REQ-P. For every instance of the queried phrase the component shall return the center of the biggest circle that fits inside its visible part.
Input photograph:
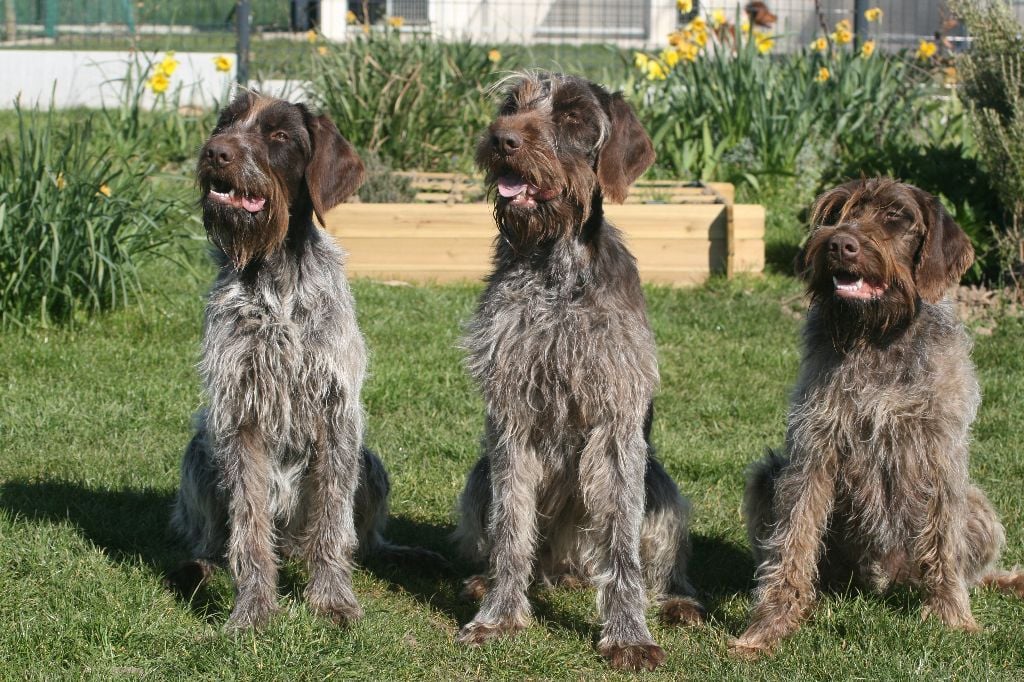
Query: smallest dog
(874, 486)
(277, 461)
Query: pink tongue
(511, 186)
(253, 204)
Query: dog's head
(877, 248)
(557, 143)
(269, 163)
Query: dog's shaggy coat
(873, 487)
(277, 461)
(563, 352)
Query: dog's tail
(1010, 582)
(380, 549)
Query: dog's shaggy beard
(851, 323)
(526, 229)
(245, 236)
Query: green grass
(93, 422)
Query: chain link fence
(280, 30)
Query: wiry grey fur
(277, 461)
(873, 486)
(564, 354)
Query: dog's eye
(894, 214)
(569, 117)
(279, 136)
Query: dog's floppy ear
(627, 152)
(334, 170)
(946, 251)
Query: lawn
(94, 419)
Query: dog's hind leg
(199, 515)
(470, 534)
(758, 497)
(665, 548)
(371, 517)
(985, 538)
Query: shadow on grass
(132, 525)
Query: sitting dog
(873, 488)
(277, 459)
(562, 349)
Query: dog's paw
(251, 614)
(682, 611)
(749, 649)
(474, 588)
(951, 617)
(338, 606)
(632, 657)
(477, 632)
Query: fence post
(50, 19)
(243, 14)
(860, 22)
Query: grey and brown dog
(564, 354)
(873, 488)
(277, 461)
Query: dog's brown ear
(945, 253)
(627, 152)
(334, 170)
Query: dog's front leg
(331, 536)
(804, 497)
(512, 530)
(251, 555)
(941, 549)
(612, 477)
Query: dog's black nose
(219, 153)
(843, 246)
(506, 141)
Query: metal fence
(280, 27)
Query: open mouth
(522, 193)
(855, 287)
(222, 193)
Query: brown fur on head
(267, 165)
(759, 14)
(877, 248)
(558, 144)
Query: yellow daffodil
(745, 26)
(867, 49)
(701, 38)
(168, 64)
(926, 49)
(640, 60)
(842, 36)
(322, 50)
(718, 18)
(764, 42)
(222, 62)
(698, 24)
(949, 75)
(685, 6)
(60, 182)
(823, 75)
(494, 56)
(655, 71)
(158, 82)
(688, 51)
(676, 38)
(670, 57)
(311, 36)
(844, 25)
(396, 22)
(351, 17)
(104, 190)
(820, 45)
(874, 14)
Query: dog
(277, 459)
(562, 349)
(873, 488)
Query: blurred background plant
(992, 77)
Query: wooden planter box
(692, 232)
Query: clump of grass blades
(75, 223)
